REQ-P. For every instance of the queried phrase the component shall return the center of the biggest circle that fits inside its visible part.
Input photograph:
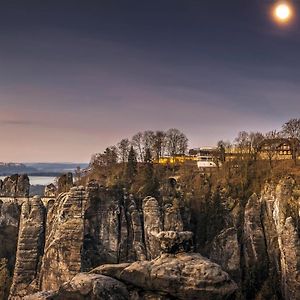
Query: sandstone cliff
(255, 241)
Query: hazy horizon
(77, 78)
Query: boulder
(183, 276)
(86, 286)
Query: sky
(78, 76)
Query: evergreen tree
(151, 185)
(131, 167)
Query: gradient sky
(77, 76)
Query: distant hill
(39, 169)
(56, 167)
(12, 168)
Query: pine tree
(131, 167)
(151, 185)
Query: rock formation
(86, 286)
(64, 183)
(64, 239)
(135, 221)
(30, 249)
(254, 246)
(282, 235)
(255, 241)
(175, 273)
(9, 222)
(50, 190)
(152, 226)
(15, 186)
(226, 252)
(175, 241)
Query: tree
(123, 148)
(271, 147)
(159, 144)
(106, 159)
(177, 142)
(151, 184)
(137, 142)
(291, 130)
(111, 155)
(148, 140)
(222, 151)
(243, 144)
(255, 139)
(131, 166)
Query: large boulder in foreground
(86, 286)
(182, 275)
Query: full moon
(283, 12)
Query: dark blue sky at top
(81, 75)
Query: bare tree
(123, 148)
(159, 144)
(177, 142)
(255, 139)
(271, 147)
(243, 144)
(137, 143)
(291, 130)
(148, 140)
(183, 144)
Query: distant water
(38, 180)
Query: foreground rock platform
(182, 275)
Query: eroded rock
(15, 186)
(64, 239)
(30, 249)
(175, 241)
(183, 276)
(152, 226)
(50, 190)
(226, 252)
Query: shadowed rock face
(175, 241)
(113, 229)
(30, 249)
(15, 186)
(254, 246)
(282, 235)
(9, 222)
(226, 252)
